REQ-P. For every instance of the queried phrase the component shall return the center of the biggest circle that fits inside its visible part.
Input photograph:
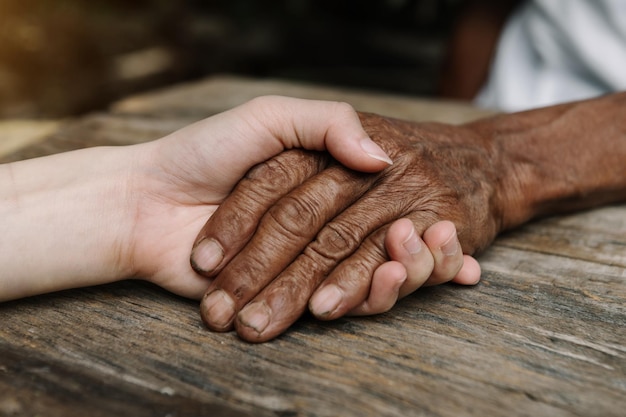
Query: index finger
(237, 218)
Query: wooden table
(542, 335)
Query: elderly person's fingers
(364, 283)
(283, 300)
(231, 227)
(282, 235)
(344, 255)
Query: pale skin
(318, 245)
(101, 215)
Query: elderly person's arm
(320, 244)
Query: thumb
(314, 125)
(232, 142)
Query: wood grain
(542, 335)
(15, 134)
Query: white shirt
(553, 51)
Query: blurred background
(62, 58)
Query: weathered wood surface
(543, 334)
(16, 134)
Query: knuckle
(362, 268)
(335, 245)
(358, 277)
(335, 241)
(304, 211)
(295, 216)
(289, 168)
(274, 168)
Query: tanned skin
(486, 176)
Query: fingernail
(451, 247)
(375, 151)
(218, 310)
(326, 300)
(207, 255)
(256, 316)
(412, 244)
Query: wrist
(63, 224)
(558, 159)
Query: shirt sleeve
(554, 51)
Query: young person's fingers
(446, 251)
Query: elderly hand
(325, 240)
(331, 229)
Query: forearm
(561, 158)
(59, 228)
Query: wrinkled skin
(486, 176)
(339, 217)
